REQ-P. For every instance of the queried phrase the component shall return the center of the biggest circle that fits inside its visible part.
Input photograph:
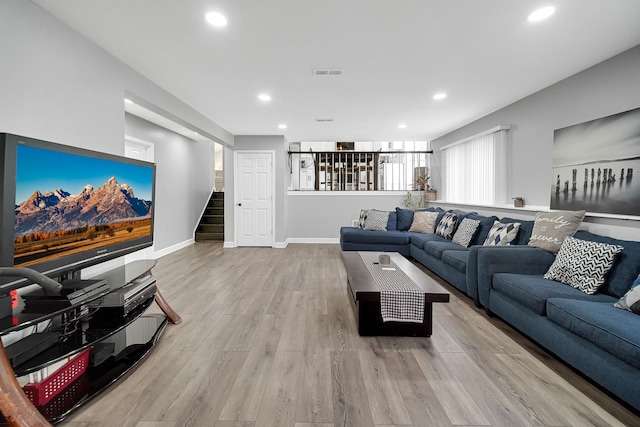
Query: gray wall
(276, 143)
(58, 86)
(320, 216)
(184, 180)
(610, 87)
(607, 88)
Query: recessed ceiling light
(216, 19)
(439, 96)
(541, 14)
(282, 126)
(402, 125)
(264, 97)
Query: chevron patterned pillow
(583, 264)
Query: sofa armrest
(490, 260)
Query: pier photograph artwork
(596, 165)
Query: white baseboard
(282, 245)
(276, 245)
(170, 249)
(318, 240)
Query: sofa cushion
(502, 234)
(631, 300)
(376, 220)
(624, 270)
(363, 216)
(456, 259)
(524, 234)
(437, 248)
(466, 232)
(357, 235)
(424, 222)
(551, 228)
(533, 291)
(419, 239)
(616, 331)
(583, 264)
(405, 218)
(447, 225)
(486, 222)
(393, 221)
(461, 215)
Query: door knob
(239, 204)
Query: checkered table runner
(401, 300)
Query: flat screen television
(66, 208)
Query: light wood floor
(269, 339)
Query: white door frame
(236, 196)
(149, 156)
(148, 147)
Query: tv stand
(117, 343)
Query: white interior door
(254, 198)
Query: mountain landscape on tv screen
(57, 210)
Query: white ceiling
(394, 54)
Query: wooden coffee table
(364, 295)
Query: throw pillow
(424, 222)
(447, 225)
(631, 300)
(583, 264)
(551, 228)
(393, 221)
(376, 220)
(363, 216)
(405, 218)
(502, 234)
(466, 231)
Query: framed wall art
(596, 165)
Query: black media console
(105, 315)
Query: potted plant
(422, 183)
(425, 193)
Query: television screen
(71, 208)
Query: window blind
(475, 169)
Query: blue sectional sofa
(585, 331)
(445, 258)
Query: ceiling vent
(324, 120)
(326, 72)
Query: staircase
(211, 225)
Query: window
(358, 166)
(475, 169)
